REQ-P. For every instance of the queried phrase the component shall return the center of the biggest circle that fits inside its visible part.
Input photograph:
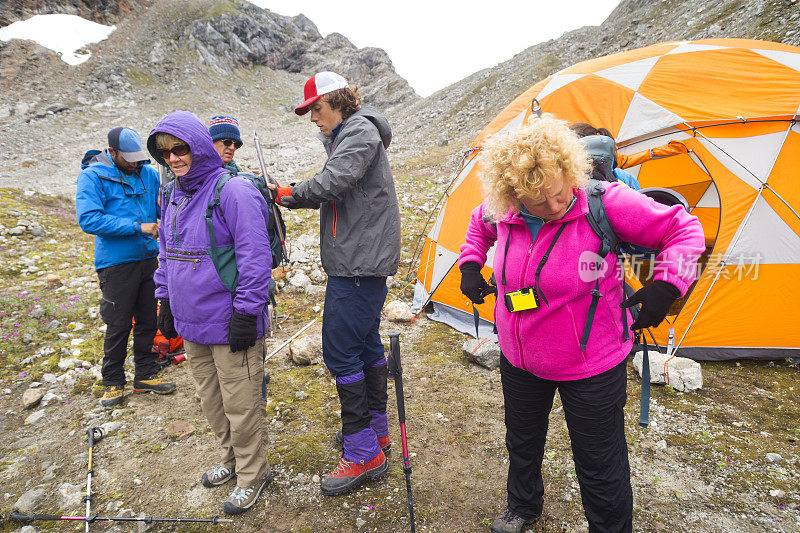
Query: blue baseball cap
(128, 143)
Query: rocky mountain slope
(460, 111)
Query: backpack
(601, 150)
(610, 243)
(223, 257)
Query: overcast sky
(435, 43)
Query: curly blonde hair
(524, 163)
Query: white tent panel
(789, 59)
(692, 47)
(710, 198)
(765, 239)
(556, 82)
(630, 75)
(441, 266)
(749, 158)
(437, 226)
(645, 116)
(464, 173)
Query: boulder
(28, 501)
(69, 496)
(34, 418)
(397, 311)
(306, 350)
(31, 397)
(300, 280)
(680, 373)
(484, 352)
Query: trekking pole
(273, 194)
(396, 370)
(95, 435)
(28, 518)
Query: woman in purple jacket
(222, 325)
(536, 213)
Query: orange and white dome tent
(715, 120)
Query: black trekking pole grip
(20, 518)
(95, 435)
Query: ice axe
(396, 370)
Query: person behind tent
(223, 328)
(360, 247)
(535, 211)
(116, 202)
(603, 153)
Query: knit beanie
(222, 127)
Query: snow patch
(64, 34)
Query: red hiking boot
(348, 475)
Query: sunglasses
(228, 142)
(179, 150)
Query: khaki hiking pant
(233, 405)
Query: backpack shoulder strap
(598, 219)
(167, 192)
(215, 202)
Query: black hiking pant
(128, 293)
(593, 408)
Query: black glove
(656, 299)
(242, 332)
(473, 285)
(289, 202)
(166, 323)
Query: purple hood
(206, 162)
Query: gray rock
(28, 501)
(300, 280)
(69, 496)
(397, 311)
(300, 395)
(31, 397)
(49, 378)
(38, 311)
(34, 418)
(110, 428)
(57, 107)
(483, 351)
(680, 373)
(49, 398)
(27, 529)
(774, 458)
(54, 324)
(306, 350)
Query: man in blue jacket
(116, 202)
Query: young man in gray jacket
(360, 247)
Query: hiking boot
(218, 475)
(112, 396)
(348, 475)
(154, 384)
(510, 522)
(242, 499)
(384, 442)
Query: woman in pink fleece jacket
(536, 214)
